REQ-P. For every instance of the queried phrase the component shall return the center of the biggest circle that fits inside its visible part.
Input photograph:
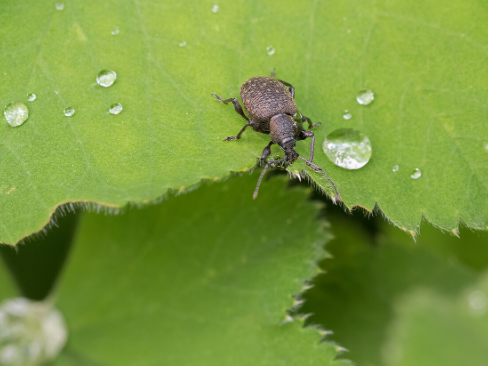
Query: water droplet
(183, 44)
(115, 108)
(16, 113)
(416, 174)
(68, 112)
(486, 147)
(31, 97)
(215, 9)
(31, 333)
(115, 31)
(347, 115)
(477, 301)
(365, 97)
(59, 6)
(270, 50)
(348, 148)
(395, 168)
(106, 78)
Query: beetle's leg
(273, 73)
(250, 123)
(319, 169)
(291, 88)
(264, 156)
(310, 124)
(305, 134)
(234, 101)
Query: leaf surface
(203, 279)
(425, 63)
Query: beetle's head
(290, 154)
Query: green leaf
(368, 277)
(423, 61)
(432, 329)
(203, 279)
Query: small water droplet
(365, 97)
(16, 113)
(31, 333)
(270, 50)
(183, 44)
(347, 115)
(215, 9)
(115, 108)
(486, 147)
(115, 31)
(416, 174)
(31, 97)
(106, 78)
(477, 301)
(59, 6)
(395, 168)
(348, 148)
(55, 92)
(68, 112)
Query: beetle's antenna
(259, 182)
(319, 169)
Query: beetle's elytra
(270, 104)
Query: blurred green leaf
(424, 61)
(432, 329)
(203, 279)
(368, 277)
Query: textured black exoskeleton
(270, 104)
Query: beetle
(270, 104)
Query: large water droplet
(270, 50)
(31, 97)
(348, 148)
(395, 168)
(183, 44)
(16, 113)
(416, 174)
(59, 6)
(68, 112)
(215, 9)
(115, 31)
(347, 115)
(365, 97)
(115, 108)
(31, 333)
(106, 78)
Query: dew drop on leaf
(215, 9)
(270, 50)
(395, 168)
(115, 108)
(365, 97)
(183, 44)
(115, 31)
(31, 333)
(16, 113)
(348, 148)
(347, 115)
(106, 78)
(31, 97)
(68, 112)
(59, 6)
(416, 174)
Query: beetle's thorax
(283, 131)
